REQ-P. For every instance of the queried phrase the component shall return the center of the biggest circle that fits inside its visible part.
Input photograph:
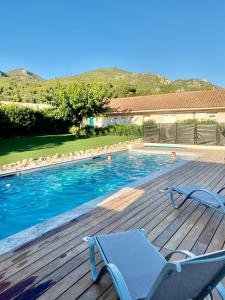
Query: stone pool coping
(14, 241)
(30, 164)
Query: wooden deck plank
(207, 234)
(218, 239)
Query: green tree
(78, 101)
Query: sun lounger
(195, 192)
(139, 271)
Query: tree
(78, 101)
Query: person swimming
(101, 162)
(109, 157)
(107, 160)
(173, 156)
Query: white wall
(169, 118)
(159, 118)
(106, 121)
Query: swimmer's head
(109, 157)
(173, 155)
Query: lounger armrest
(184, 252)
(94, 272)
(119, 282)
(114, 272)
(220, 288)
(209, 193)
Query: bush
(101, 130)
(199, 121)
(120, 129)
(149, 122)
(87, 130)
(73, 129)
(47, 123)
(16, 120)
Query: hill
(3, 74)
(25, 86)
(22, 73)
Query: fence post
(195, 134)
(176, 134)
(217, 135)
(159, 132)
(143, 132)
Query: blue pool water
(34, 197)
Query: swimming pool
(34, 197)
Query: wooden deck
(56, 265)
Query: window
(212, 116)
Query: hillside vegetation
(24, 86)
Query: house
(166, 108)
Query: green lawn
(15, 149)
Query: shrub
(48, 123)
(199, 121)
(118, 129)
(149, 122)
(73, 129)
(101, 130)
(16, 120)
(121, 129)
(87, 130)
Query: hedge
(118, 129)
(16, 120)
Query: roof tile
(172, 101)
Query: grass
(15, 149)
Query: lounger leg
(96, 276)
(172, 199)
(221, 290)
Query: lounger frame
(192, 196)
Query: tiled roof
(173, 101)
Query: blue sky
(175, 38)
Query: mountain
(25, 86)
(22, 73)
(3, 74)
(142, 83)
